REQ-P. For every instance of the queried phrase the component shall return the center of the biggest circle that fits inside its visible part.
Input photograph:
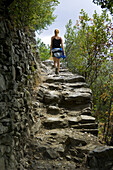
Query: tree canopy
(36, 14)
(108, 4)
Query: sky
(66, 10)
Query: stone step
(92, 131)
(62, 121)
(48, 62)
(63, 79)
(64, 70)
(66, 74)
(72, 99)
(56, 164)
(54, 110)
(75, 85)
(65, 98)
(52, 86)
(55, 122)
(83, 119)
(85, 126)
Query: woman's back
(56, 42)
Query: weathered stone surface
(86, 126)
(68, 129)
(53, 110)
(62, 79)
(51, 79)
(71, 99)
(19, 73)
(51, 97)
(2, 164)
(3, 129)
(48, 62)
(2, 83)
(55, 122)
(52, 153)
(101, 158)
(76, 85)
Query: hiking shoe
(56, 71)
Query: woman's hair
(56, 31)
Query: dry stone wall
(19, 72)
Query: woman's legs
(56, 60)
(58, 64)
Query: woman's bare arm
(51, 45)
(62, 45)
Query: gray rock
(51, 97)
(1, 49)
(13, 72)
(51, 79)
(72, 99)
(48, 62)
(35, 128)
(101, 158)
(3, 129)
(74, 79)
(3, 110)
(52, 153)
(2, 83)
(53, 110)
(55, 122)
(2, 30)
(2, 150)
(2, 164)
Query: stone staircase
(68, 102)
(64, 132)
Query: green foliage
(88, 46)
(88, 43)
(108, 4)
(44, 50)
(36, 14)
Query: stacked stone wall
(19, 73)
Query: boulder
(101, 158)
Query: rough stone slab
(51, 79)
(48, 62)
(3, 129)
(73, 141)
(55, 122)
(72, 120)
(53, 86)
(72, 99)
(53, 110)
(63, 70)
(73, 113)
(65, 74)
(74, 79)
(101, 158)
(85, 126)
(51, 97)
(92, 131)
(76, 85)
(62, 79)
(80, 119)
(35, 128)
(88, 119)
(83, 90)
(2, 164)
(2, 83)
